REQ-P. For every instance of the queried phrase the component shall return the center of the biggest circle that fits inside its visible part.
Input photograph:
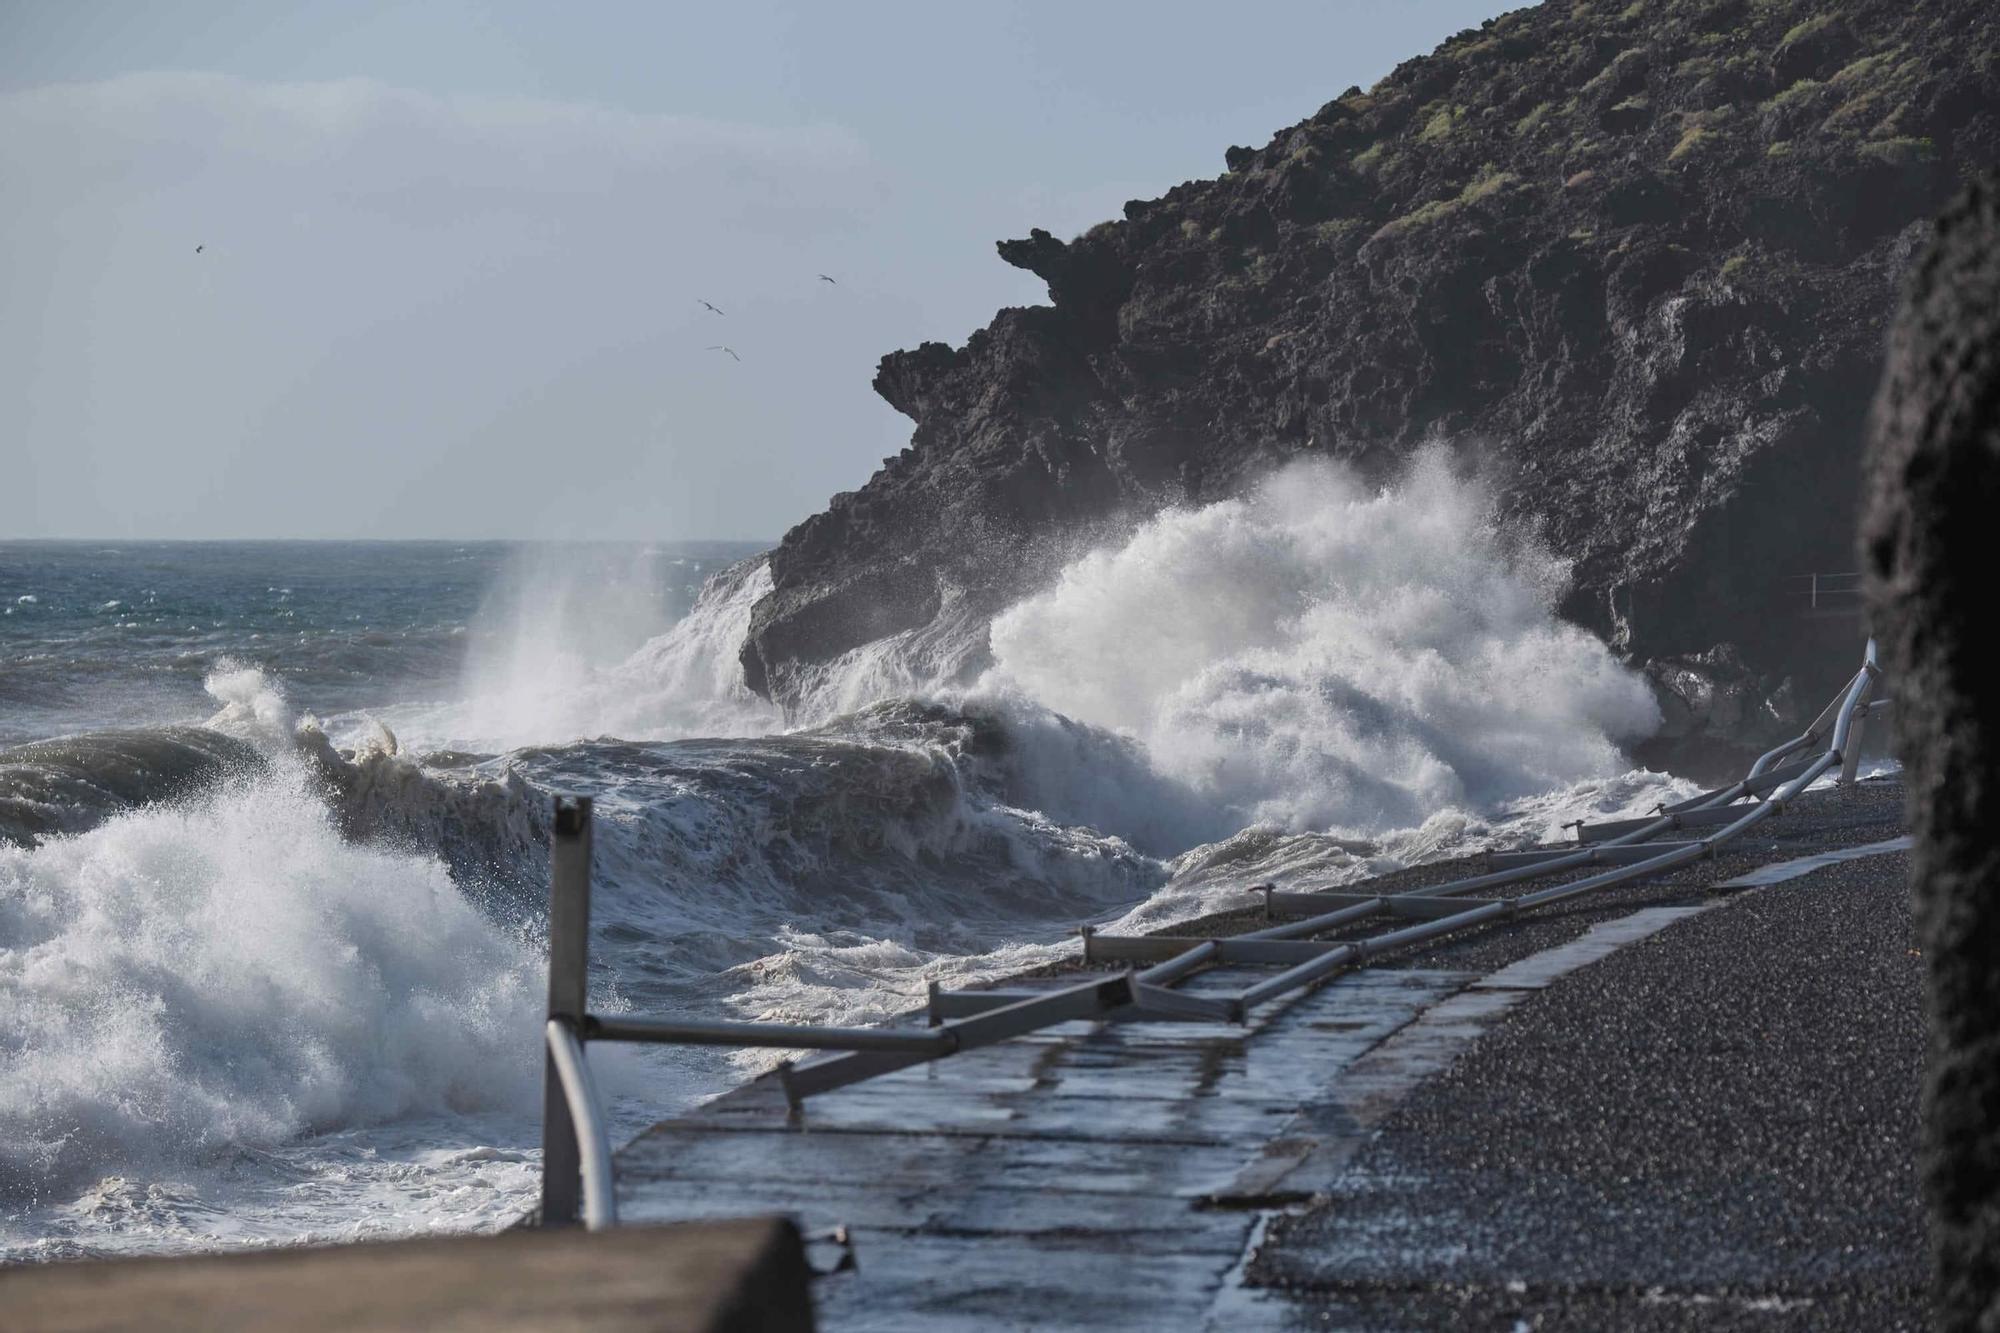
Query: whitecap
(1323, 655)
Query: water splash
(229, 971)
(566, 655)
(1320, 655)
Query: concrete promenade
(1688, 1103)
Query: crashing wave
(1321, 655)
(73, 783)
(894, 828)
(229, 970)
(1311, 683)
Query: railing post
(1850, 758)
(1857, 728)
(569, 961)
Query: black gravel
(1716, 1127)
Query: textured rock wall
(1931, 549)
(1638, 259)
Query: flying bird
(718, 347)
(198, 249)
(716, 309)
(824, 278)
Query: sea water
(273, 818)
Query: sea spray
(689, 681)
(229, 971)
(254, 707)
(1322, 655)
(556, 616)
(914, 663)
(560, 657)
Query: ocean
(272, 819)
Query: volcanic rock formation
(1931, 547)
(1637, 259)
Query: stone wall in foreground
(1931, 550)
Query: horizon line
(442, 541)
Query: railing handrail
(600, 1200)
(577, 1180)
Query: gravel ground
(1716, 1127)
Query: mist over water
(553, 620)
(572, 643)
(291, 989)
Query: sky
(452, 256)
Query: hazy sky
(453, 252)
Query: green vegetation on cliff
(1638, 258)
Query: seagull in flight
(718, 347)
(716, 309)
(824, 278)
(198, 249)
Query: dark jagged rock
(1931, 547)
(1637, 258)
(1709, 702)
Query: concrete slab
(721, 1277)
(1543, 969)
(1056, 1183)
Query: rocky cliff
(1638, 258)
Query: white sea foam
(1213, 876)
(254, 707)
(1320, 655)
(230, 972)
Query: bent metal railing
(576, 1149)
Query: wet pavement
(1668, 1106)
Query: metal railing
(1826, 594)
(577, 1173)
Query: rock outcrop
(1931, 549)
(1637, 259)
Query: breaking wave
(230, 970)
(274, 925)
(73, 783)
(1320, 655)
